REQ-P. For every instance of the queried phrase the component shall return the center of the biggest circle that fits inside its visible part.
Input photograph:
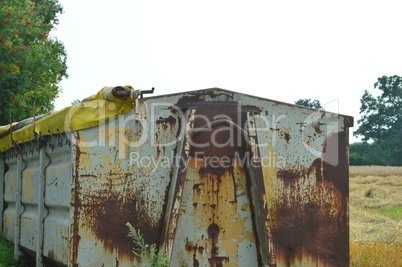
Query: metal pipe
(143, 92)
(121, 91)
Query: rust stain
(288, 174)
(220, 140)
(197, 186)
(171, 121)
(215, 196)
(106, 212)
(88, 175)
(195, 261)
(213, 234)
(286, 135)
(215, 260)
(190, 247)
(191, 100)
(76, 204)
(105, 209)
(311, 216)
(317, 128)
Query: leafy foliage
(363, 153)
(382, 117)
(31, 63)
(307, 102)
(148, 253)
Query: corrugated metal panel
(57, 198)
(213, 177)
(38, 219)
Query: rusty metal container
(212, 177)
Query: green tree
(31, 63)
(307, 102)
(381, 119)
(363, 153)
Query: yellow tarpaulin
(92, 111)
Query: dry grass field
(375, 216)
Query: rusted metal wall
(212, 177)
(118, 183)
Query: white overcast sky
(281, 50)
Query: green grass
(7, 253)
(393, 212)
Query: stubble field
(375, 216)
